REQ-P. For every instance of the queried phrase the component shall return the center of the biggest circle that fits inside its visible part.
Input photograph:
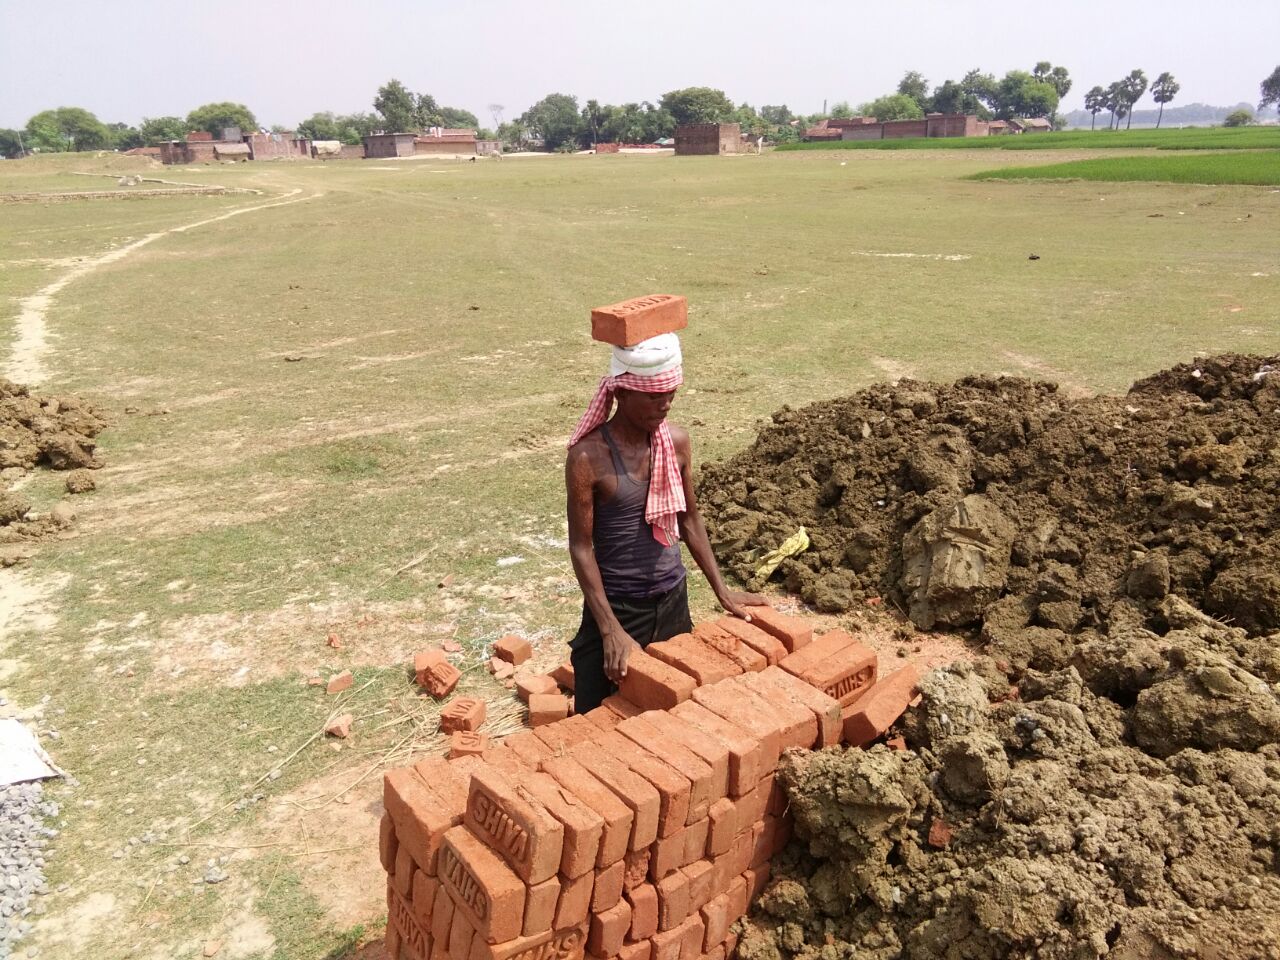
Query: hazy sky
(133, 58)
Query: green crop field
(1193, 138)
(1259, 168)
(339, 407)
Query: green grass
(1260, 168)
(1195, 138)
(273, 502)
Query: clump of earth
(1104, 779)
(996, 503)
(57, 433)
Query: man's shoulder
(679, 434)
(588, 450)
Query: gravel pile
(23, 844)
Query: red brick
(482, 886)
(563, 675)
(765, 644)
(440, 680)
(695, 841)
(722, 825)
(715, 953)
(825, 646)
(653, 685)
(896, 743)
(691, 940)
(778, 800)
(540, 906)
(463, 713)
(609, 929)
(413, 941)
(644, 911)
(635, 951)
(757, 879)
(582, 825)
(464, 743)
(574, 905)
(739, 898)
(392, 943)
(716, 917)
(880, 708)
(740, 707)
(826, 709)
(514, 825)
(800, 726)
(672, 787)
(608, 887)
(424, 897)
(761, 842)
(667, 855)
(629, 322)
(387, 843)
(564, 944)
(339, 682)
(752, 807)
(729, 644)
(678, 757)
(547, 708)
(419, 814)
(631, 788)
(528, 747)
(703, 745)
(507, 760)
(730, 945)
(566, 733)
(740, 853)
(621, 706)
(701, 879)
(604, 718)
(513, 649)
(616, 816)
(844, 674)
(673, 900)
(402, 875)
(746, 755)
(450, 779)
(667, 944)
(637, 868)
(691, 656)
(792, 631)
(460, 935)
(441, 919)
(538, 683)
(424, 660)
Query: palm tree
(1135, 85)
(1164, 90)
(1115, 103)
(1095, 101)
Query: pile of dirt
(57, 433)
(1128, 808)
(997, 503)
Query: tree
(593, 117)
(841, 108)
(397, 106)
(637, 123)
(895, 106)
(11, 144)
(1056, 77)
(157, 130)
(981, 87)
(696, 105)
(553, 119)
(914, 85)
(66, 128)
(426, 112)
(1095, 101)
(123, 136)
(777, 115)
(1270, 89)
(458, 118)
(951, 97)
(1019, 94)
(1164, 90)
(213, 117)
(1135, 85)
(513, 134)
(1238, 118)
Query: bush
(1238, 118)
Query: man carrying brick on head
(630, 488)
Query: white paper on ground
(21, 758)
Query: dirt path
(30, 348)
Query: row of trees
(1018, 93)
(1119, 98)
(66, 129)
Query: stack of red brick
(641, 830)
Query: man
(630, 502)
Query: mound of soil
(43, 431)
(996, 503)
(1049, 820)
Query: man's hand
(735, 603)
(617, 651)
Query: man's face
(645, 410)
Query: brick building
(446, 141)
(868, 128)
(708, 139)
(273, 146)
(384, 145)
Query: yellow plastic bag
(794, 545)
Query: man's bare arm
(580, 482)
(694, 533)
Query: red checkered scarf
(666, 488)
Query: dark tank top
(632, 563)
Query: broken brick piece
(464, 713)
(439, 679)
(514, 824)
(547, 708)
(465, 743)
(878, 709)
(539, 683)
(424, 660)
(513, 649)
(339, 682)
(627, 323)
(792, 631)
(653, 685)
(563, 675)
(501, 669)
(340, 727)
(940, 833)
